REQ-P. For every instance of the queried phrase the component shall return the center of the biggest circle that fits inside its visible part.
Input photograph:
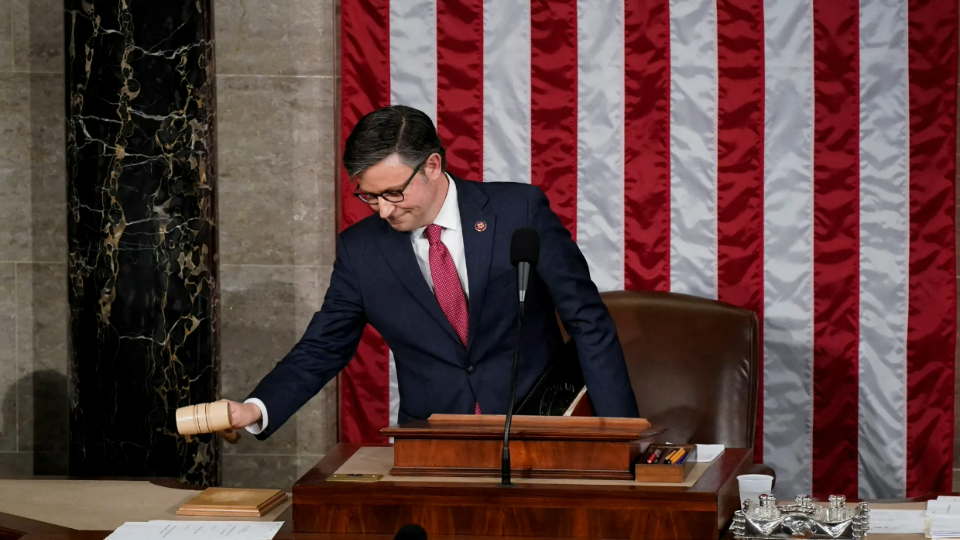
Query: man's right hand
(243, 414)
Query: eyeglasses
(392, 195)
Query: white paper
(948, 498)
(196, 530)
(941, 525)
(708, 452)
(943, 507)
(897, 521)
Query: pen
(667, 459)
(682, 459)
(678, 455)
(653, 457)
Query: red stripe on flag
(365, 86)
(646, 131)
(460, 85)
(932, 324)
(836, 240)
(553, 105)
(365, 391)
(740, 118)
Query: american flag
(794, 157)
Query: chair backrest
(693, 364)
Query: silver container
(766, 520)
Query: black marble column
(142, 230)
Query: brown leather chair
(693, 365)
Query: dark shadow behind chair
(693, 365)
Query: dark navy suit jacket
(376, 280)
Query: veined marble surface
(141, 161)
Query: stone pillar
(142, 235)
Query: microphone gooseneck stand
(524, 255)
(505, 460)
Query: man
(432, 273)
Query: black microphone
(411, 532)
(524, 254)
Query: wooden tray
(661, 472)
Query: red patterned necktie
(447, 286)
(446, 283)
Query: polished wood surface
(490, 426)
(233, 502)
(540, 446)
(555, 510)
(100, 535)
(17, 528)
(528, 459)
(35, 530)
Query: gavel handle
(229, 435)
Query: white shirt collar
(449, 215)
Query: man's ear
(433, 167)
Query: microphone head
(411, 532)
(525, 246)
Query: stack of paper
(943, 517)
(945, 526)
(940, 520)
(884, 521)
(944, 505)
(196, 530)
(708, 452)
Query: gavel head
(204, 418)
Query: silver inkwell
(765, 520)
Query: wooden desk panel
(15, 527)
(547, 510)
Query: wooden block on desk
(233, 502)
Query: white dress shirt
(452, 238)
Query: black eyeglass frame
(388, 194)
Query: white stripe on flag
(506, 91)
(884, 248)
(394, 392)
(693, 147)
(600, 117)
(413, 82)
(413, 55)
(788, 244)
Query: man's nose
(386, 208)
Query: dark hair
(396, 129)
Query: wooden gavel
(207, 418)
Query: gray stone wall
(33, 294)
(277, 143)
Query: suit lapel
(398, 251)
(479, 226)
